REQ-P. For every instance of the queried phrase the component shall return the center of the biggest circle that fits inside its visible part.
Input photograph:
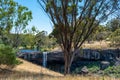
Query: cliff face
(85, 54)
(88, 54)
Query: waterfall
(44, 59)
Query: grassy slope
(30, 67)
(30, 71)
(27, 70)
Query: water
(44, 59)
(27, 51)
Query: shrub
(77, 70)
(7, 55)
(113, 70)
(115, 38)
(94, 69)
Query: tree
(75, 20)
(28, 40)
(44, 42)
(13, 16)
(23, 16)
(114, 24)
(41, 39)
(33, 29)
(102, 33)
(7, 9)
(115, 37)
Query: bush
(113, 71)
(94, 69)
(115, 38)
(7, 55)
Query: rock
(100, 72)
(96, 55)
(84, 70)
(104, 65)
(117, 62)
(55, 57)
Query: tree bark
(67, 66)
(67, 58)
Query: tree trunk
(16, 41)
(67, 58)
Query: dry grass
(30, 71)
(27, 70)
(97, 45)
(33, 68)
(94, 45)
(46, 77)
(81, 78)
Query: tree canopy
(114, 24)
(13, 17)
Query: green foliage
(44, 42)
(7, 11)
(23, 15)
(27, 40)
(7, 55)
(33, 38)
(13, 16)
(33, 29)
(77, 70)
(112, 71)
(100, 33)
(115, 37)
(94, 69)
(114, 24)
(17, 62)
(75, 20)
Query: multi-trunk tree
(75, 20)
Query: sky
(40, 19)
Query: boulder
(84, 70)
(117, 62)
(104, 65)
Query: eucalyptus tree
(29, 37)
(75, 20)
(7, 9)
(13, 16)
(115, 38)
(114, 24)
(41, 39)
(22, 17)
(33, 29)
